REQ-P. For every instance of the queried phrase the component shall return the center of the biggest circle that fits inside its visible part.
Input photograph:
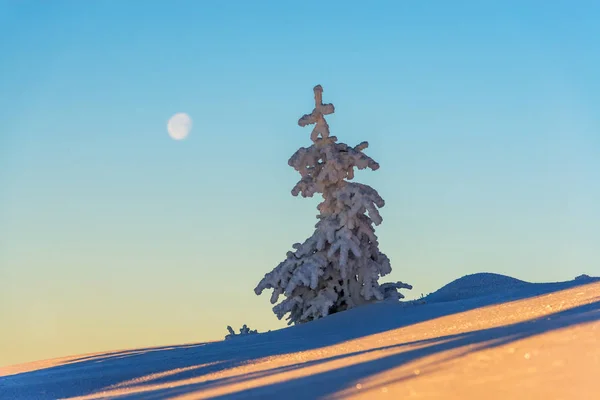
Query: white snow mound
(475, 285)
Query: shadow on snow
(95, 373)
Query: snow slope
(483, 335)
(489, 287)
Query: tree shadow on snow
(327, 383)
(91, 374)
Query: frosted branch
(339, 265)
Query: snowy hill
(483, 334)
(498, 287)
(476, 285)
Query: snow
(481, 336)
(244, 330)
(475, 285)
(339, 266)
(492, 287)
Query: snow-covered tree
(244, 331)
(339, 266)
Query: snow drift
(502, 338)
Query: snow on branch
(244, 331)
(339, 265)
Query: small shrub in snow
(244, 330)
(338, 267)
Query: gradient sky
(485, 120)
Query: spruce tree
(338, 267)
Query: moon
(179, 126)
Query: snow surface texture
(540, 341)
(339, 266)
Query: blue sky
(485, 120)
